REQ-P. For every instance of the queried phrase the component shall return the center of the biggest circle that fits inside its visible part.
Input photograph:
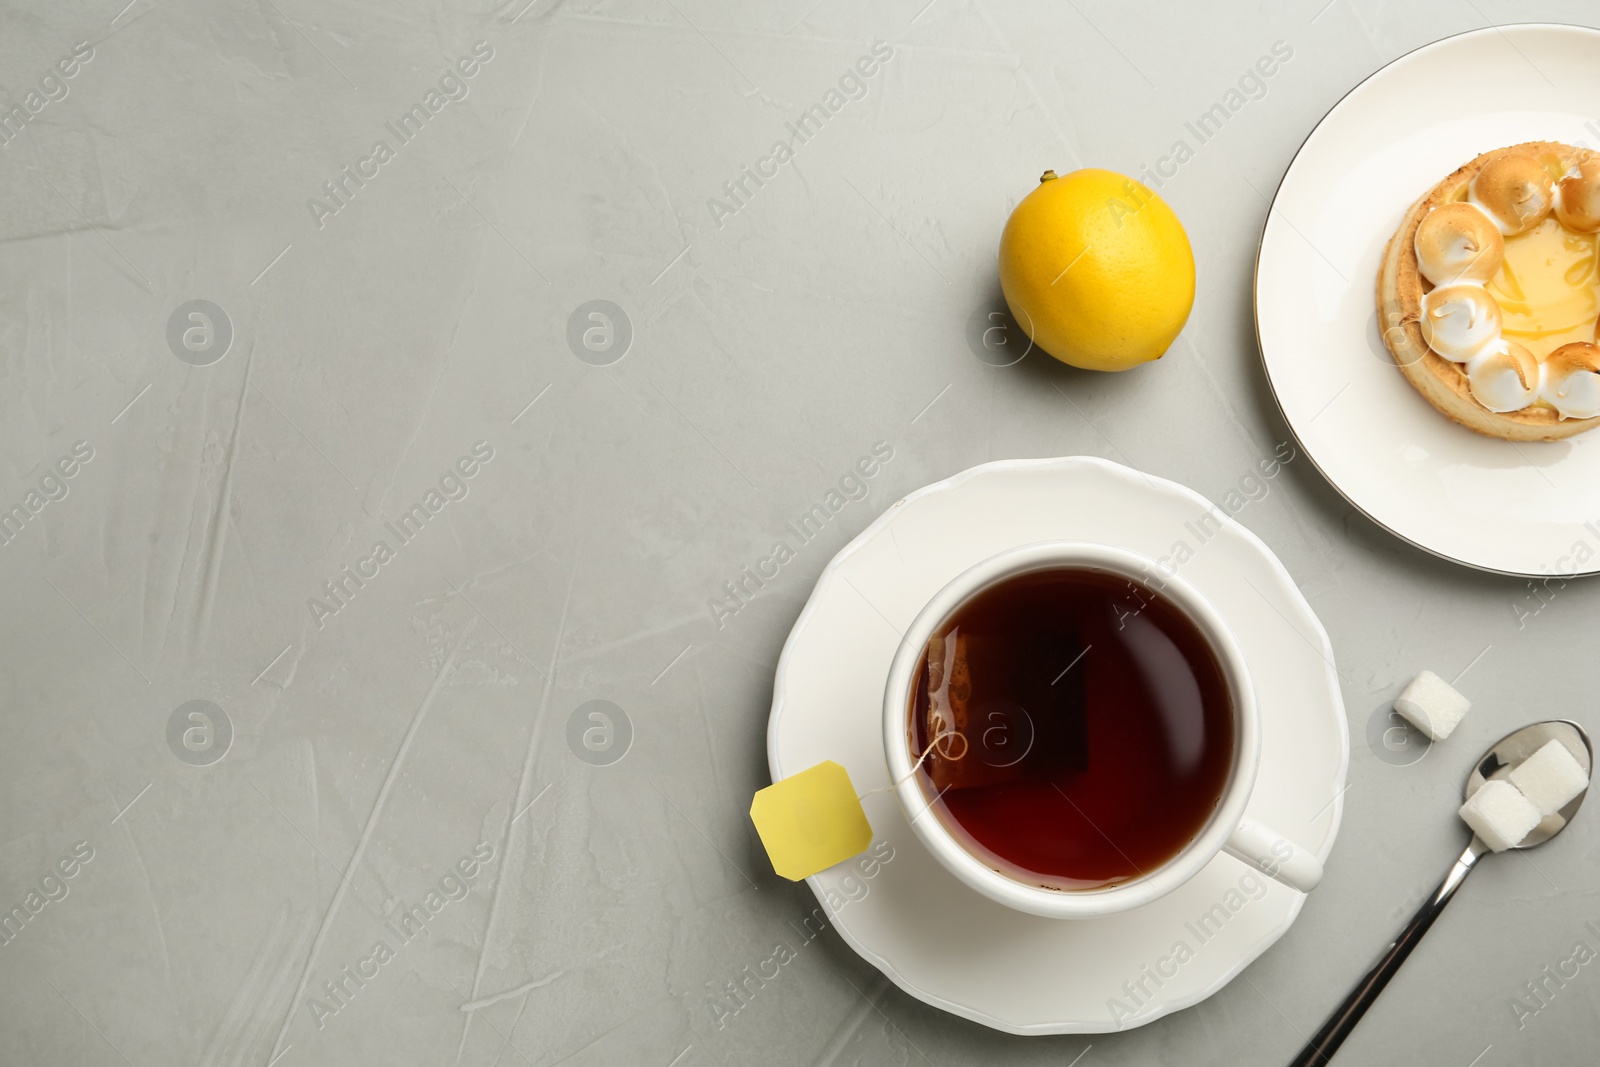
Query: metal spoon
(1509, 751)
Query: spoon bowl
(1517, 746)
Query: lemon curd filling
(1548, 288)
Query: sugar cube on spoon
(1500, 814)
(1549, 778)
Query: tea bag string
(942, 734)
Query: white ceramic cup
(1228, 830)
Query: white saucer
(1513, 508)
(939, 940)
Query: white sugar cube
(1550, 777)
(1431, 705)
(1499, 814)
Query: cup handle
(1274, 855)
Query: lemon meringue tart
(1489, 293)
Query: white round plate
(936, 938)
(1521, 509)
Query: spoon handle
(1320, 1049)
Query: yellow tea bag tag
(810, 821)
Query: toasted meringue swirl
(1505, 377)
(1459, 243)
(1578, 196)
(1572, 380)
(1459, 321)
(1515, 190)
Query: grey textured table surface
(403, 322)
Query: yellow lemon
(1097, 270)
